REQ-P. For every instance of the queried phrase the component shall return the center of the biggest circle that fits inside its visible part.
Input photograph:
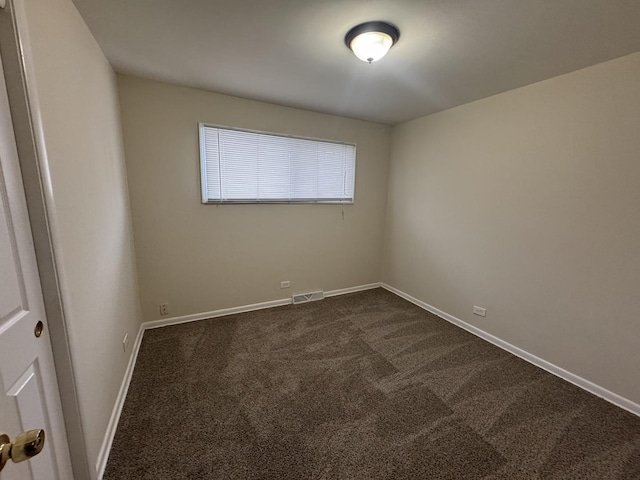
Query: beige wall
(77, 98)
(199, 258)
(528, 203)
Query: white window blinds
(251, 167)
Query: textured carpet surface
(361, 386)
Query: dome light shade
(371, 41)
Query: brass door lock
(26, 445)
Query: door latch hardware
(37, 331)
(26, 445)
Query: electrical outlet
(164, 309)
(479, 311)
(285, 284)
(125, 342)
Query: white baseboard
(247, 308)
(103, 455)
(105, 449)
(360, 288)
(214, 313)
(537, 361)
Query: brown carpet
(361, 386)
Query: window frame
(203, 169)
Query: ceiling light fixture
(370, 41)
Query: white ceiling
(292, 52)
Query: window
(240, 166)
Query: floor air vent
(308, 297)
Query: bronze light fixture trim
(370, 41)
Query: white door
(29, 396)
